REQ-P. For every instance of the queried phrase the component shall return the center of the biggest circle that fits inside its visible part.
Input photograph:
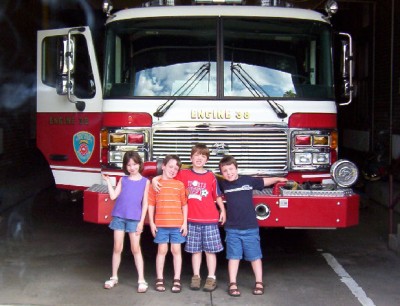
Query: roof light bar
(219, 1)
(331, 7)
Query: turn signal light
(104, 138)
(321, 140)
(118, 138)
(334, 140)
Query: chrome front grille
(260, 151)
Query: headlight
(303, 158)
(344, 173)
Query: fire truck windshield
(164, 58)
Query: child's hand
(156, 185)
(153, 229)
(139, 228)
(184, 230)
(105, 177)
(222, 217)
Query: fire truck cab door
(69, 105)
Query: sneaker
(210, 285)
(195, 284)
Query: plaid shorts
(203, 237)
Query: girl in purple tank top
(128, 216)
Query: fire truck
(260, 82)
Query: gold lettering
(205, 114)
(220, 114)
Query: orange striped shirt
(168, 203)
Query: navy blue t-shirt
(240, 213)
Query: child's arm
(184, 229)
(273, 180)
(114, 193)
(153, 226)
(222, 213)
(145, 205)
(155, 183)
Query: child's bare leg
(177, 258)
(233, 267)
(257, 269)
(160, 259)
(196, 263)
(117, 250)
(137, 254)
(211, 259)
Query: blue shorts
(243, 244)
(203, 237)
(122, 224)
(169, 234)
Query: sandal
(233, 291)
(258, 288)
(176, 286)
(160, 287)
(113, 281)
(142, 287)
(196, 283)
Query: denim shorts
(203, 237)
(122, 224)
(169, 235)
(243, 244)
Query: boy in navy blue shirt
(241, 227)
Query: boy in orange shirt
(168, 220)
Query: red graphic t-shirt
(202, 190)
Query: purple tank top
(129, 202)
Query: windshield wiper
(256, 90)
(185, 89)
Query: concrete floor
(54, 258)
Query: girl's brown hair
(135, 157)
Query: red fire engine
(255, 82)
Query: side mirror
(66, 55)
(65, 83)
(346, 68)
(61, 85)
